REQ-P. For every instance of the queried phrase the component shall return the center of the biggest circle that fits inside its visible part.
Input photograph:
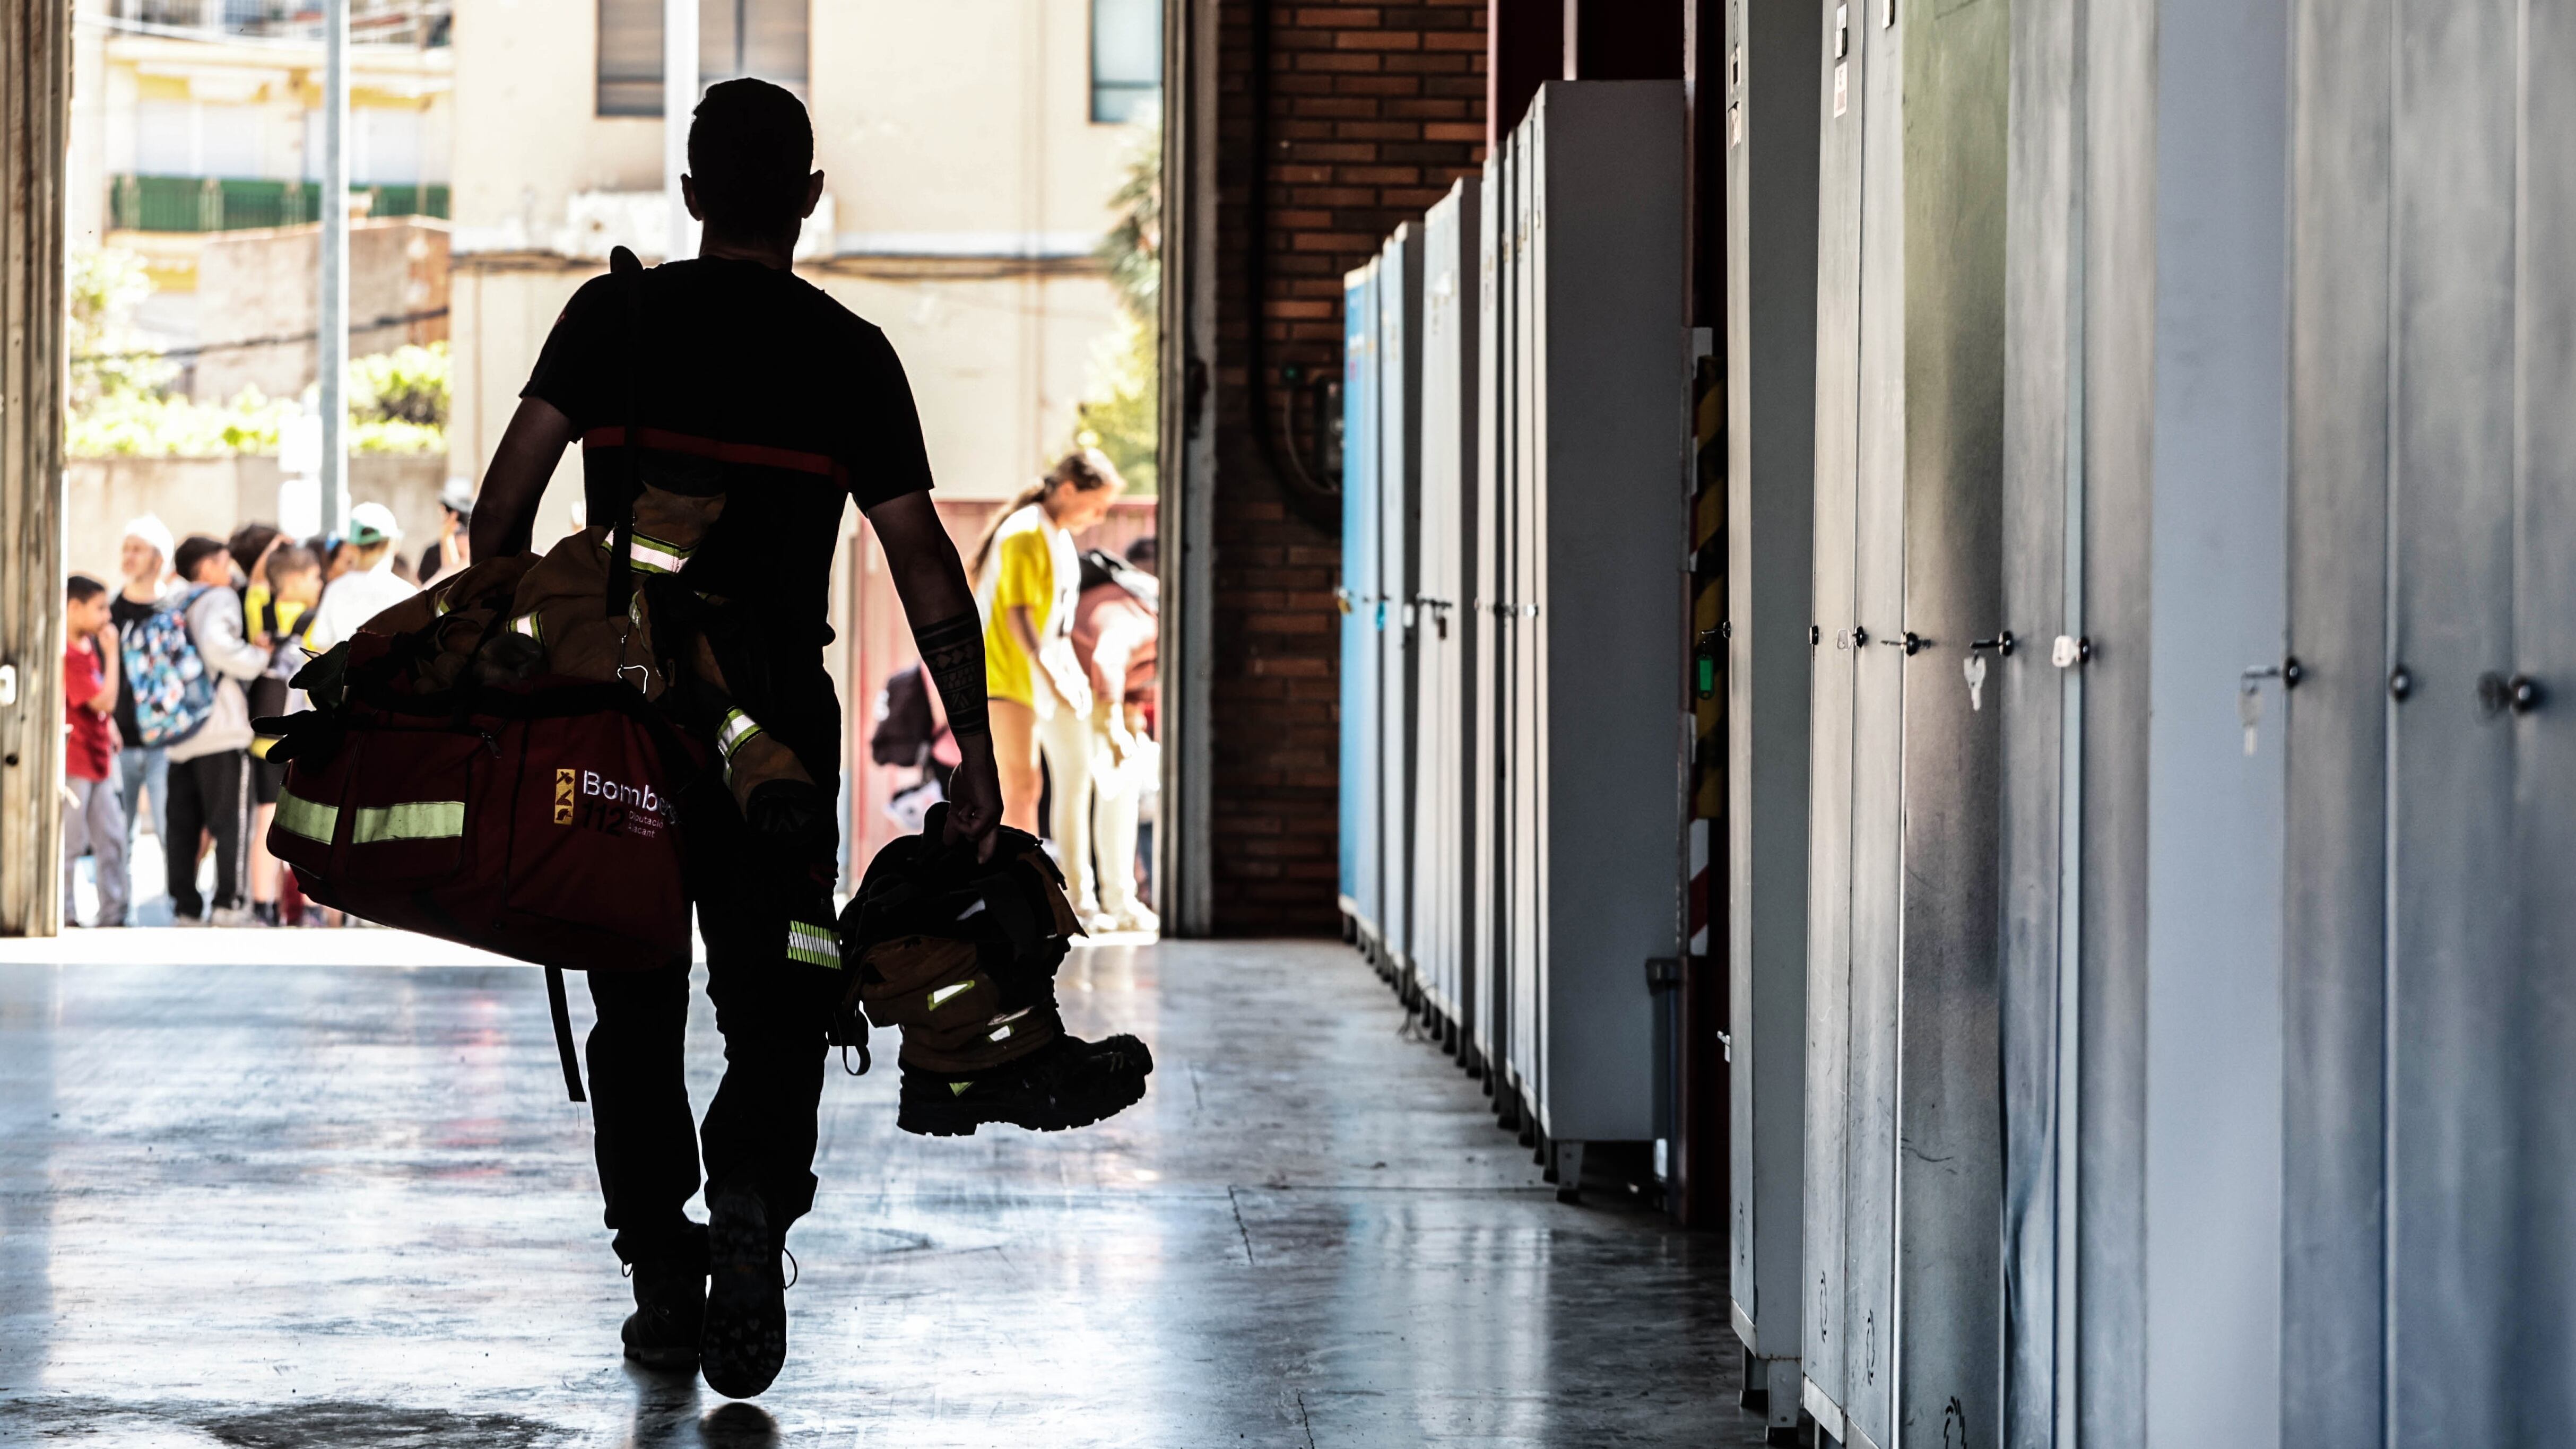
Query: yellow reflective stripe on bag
(530, 625)
(411, 820)
(299, 816)
(651, 555)
(814, 945)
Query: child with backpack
(189, 662)
(93, 817)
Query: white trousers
(1065, 741)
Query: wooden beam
(35, 92)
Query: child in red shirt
(93, 815)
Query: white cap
(153, 531)
(371, 523)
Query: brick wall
(1372, 112)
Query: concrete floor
(331, 1205)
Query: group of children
(163, 677)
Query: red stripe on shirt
(752, 453)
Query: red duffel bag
(534, 819)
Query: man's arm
(941, 605)
(505, 512)
(110, 660)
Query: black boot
(744, 1343)
(670, 1305)
(1066, 1083)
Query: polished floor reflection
(319, 1205)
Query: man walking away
(93, 817)
(210, 767)
(143, 771)
(368, 585)
(756, 384)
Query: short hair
(751, 147)
(289, 560)
(248, 542)
(83, 588)
(196, 550)
(1143, 552)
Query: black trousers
(209, 793)
(759, 1131)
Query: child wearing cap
(368, 586)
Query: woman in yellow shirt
(1027, 577)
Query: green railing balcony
(213, 203)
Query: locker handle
(2002, 644)
(2496, 694)
(1912, 643)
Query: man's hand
(975, 796)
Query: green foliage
(1133, 248)
(1123, 416)
(108, 358)
(152, 425)
(407, 385)
(121, 404)
(1121, 413)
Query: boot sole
(929, 1117)
(744, 1342)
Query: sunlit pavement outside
(252, 1196)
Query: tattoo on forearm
(952, 653)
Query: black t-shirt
(799, 401)
(124, 613)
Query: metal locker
(1904, 1141)
(2429, 1295)
(1520, 535)
(1443, 674)
(2144, 493)
(1359, 596)
(1602, 621)
(1489, 803)
(1399, 494)
(1771, 140)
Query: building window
(764, 38)
(1126, 60)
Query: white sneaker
(1136, 918)
(230, 916)
(189, 922)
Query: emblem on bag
(563, 797)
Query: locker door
(2335, 959)
(1433, 586)
(1879, 741)
(1770, 582)
(1525, 546)
(1399, 426)
(1448, 481)
(1824, 1286)
(2453, 1094)
(1360, 562)
(2544, 627)
(1483, 938)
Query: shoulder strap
(621, 547)
(562, 1013)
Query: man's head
(751, 163)
(295, 575)
(84, 606)
(145, 554)
(204, 560)
(1142, 554)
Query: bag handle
(629, 271)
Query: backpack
(904, 726)
(173, 694)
